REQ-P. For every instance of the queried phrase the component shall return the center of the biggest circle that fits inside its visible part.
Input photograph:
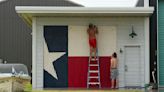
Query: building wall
(160, 42)
(123, 26)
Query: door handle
(126, 68)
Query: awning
(27, 12)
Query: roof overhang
(27, 12)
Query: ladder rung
(93, 59)
(93, 65)
(93, 71)
(94, 82)
(93, 77)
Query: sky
(106, 3)
(2, 0)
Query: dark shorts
(113, 73)
(92, 43)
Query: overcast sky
(2, 0)
(106, 3)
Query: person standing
(92, 31)
(114, 70)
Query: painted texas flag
(66, 52)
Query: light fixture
(133, 34)
(121, 50)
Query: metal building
(15, 35)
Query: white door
(132, 66)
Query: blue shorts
(113, 73)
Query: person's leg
(111, 77)
(91, 51)
(94, 53)
(112, 83)
(94, 47)
(116, 78)
(116, 83)
(90, 45)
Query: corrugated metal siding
(15, 35)
(161, 41)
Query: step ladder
(93, 80)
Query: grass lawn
(28, 88)
(130, 90)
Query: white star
(49, 58)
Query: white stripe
(78, 41)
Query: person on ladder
(92, 31)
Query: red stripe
(105, 72)
(93, 80)
(77, 72)
(93, 74)
(93, 67)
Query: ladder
(93, 80)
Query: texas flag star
(49, 58)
